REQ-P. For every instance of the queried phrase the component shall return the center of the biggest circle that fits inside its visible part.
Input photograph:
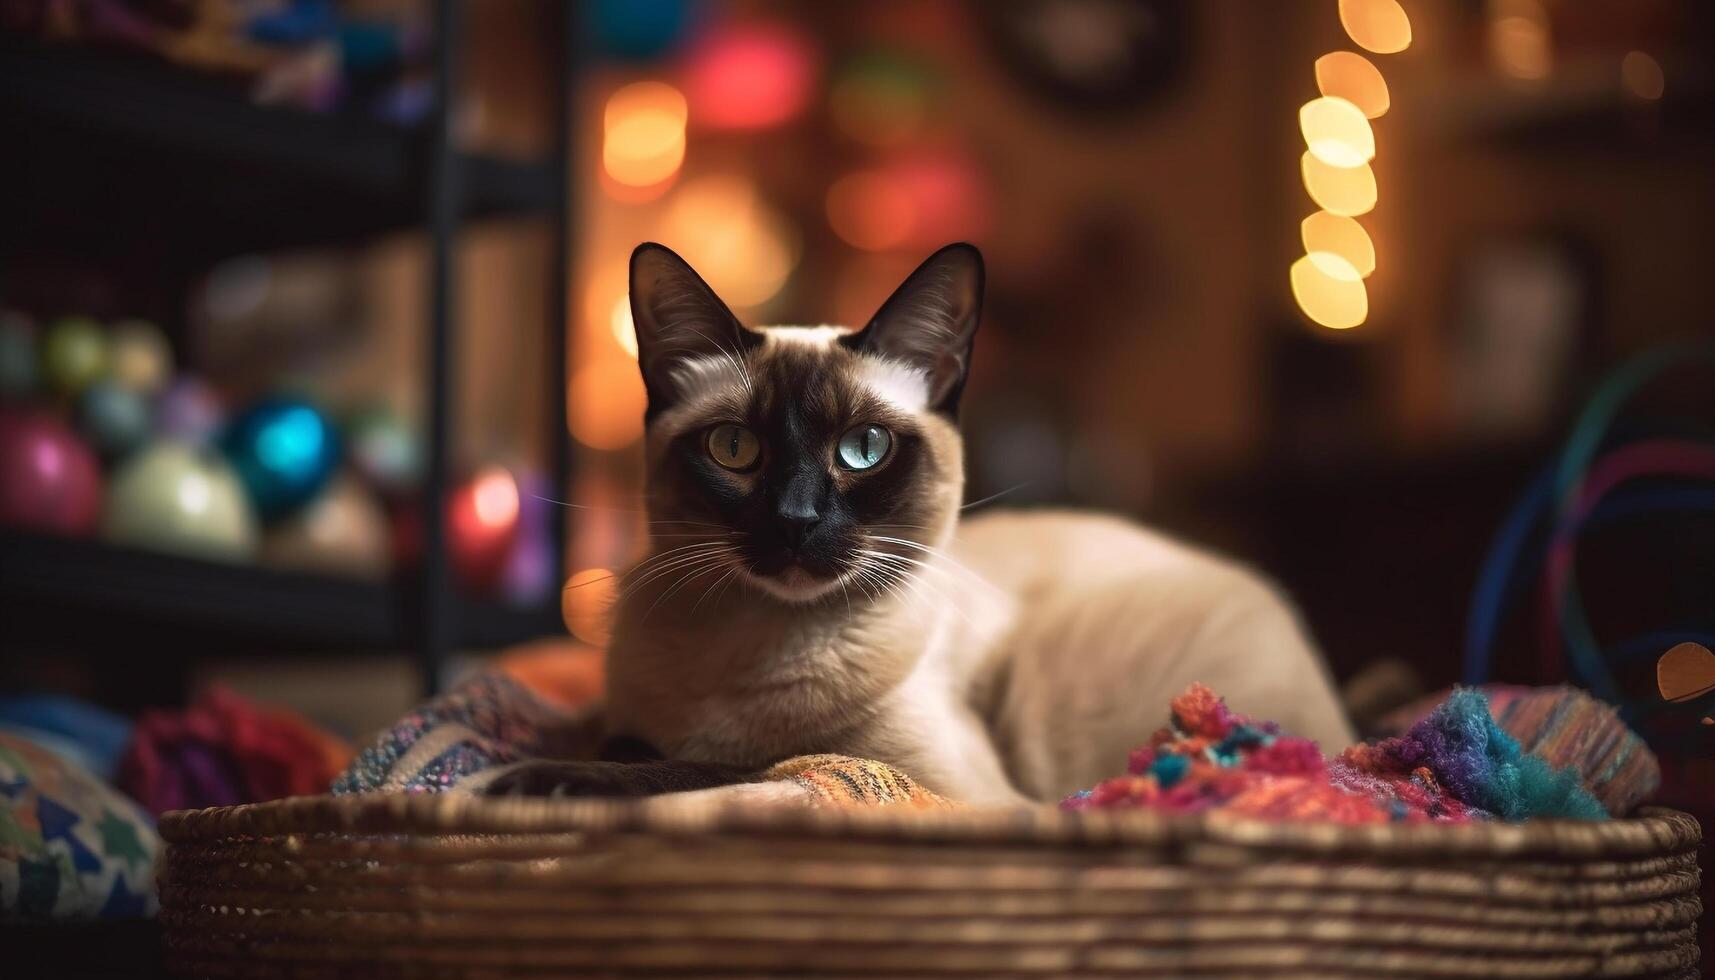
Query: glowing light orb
(749, 76)
(1642, 76)
(586, 604)
(1346, 191)
(1337, 132)
(1519, 41)
(643, 134)
(871, 211)
(1329, 290)
(744, 248)
(605, 402)
(494, 497)
(620, 324)
(1350, 76)
(1341, 236)
(1376, 25)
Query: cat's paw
(546, 778)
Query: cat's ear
(678, 319)
(930, 322)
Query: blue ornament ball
(285, 451)
(115, 419)
(639, 30)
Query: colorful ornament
(49, 480)
(343, 531)
(74, 354)
(528, 575)
(138, 356)
(638, 30)
(176, 497)
(285, 452)
(17, 355)
(482, 524)
(385, 450)
(189, 411)
(114, 419)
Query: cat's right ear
(679, 319)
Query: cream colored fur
(1023, 661)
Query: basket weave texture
(450, 886)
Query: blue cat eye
(863, 447)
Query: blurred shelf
(143, 600)
(188, 163)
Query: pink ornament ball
(49, 480)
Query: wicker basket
(461, 887)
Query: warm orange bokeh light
(643, 134)
(1350, 76)
(1346, 191)
(605, 402)
(1329, 291)
(620, 324)
(1642, 75)
(1342, 236)
(586, 604)
(1337, 132)
(744, 248)
(494, 497)
(1376, 25)
(1520, 43)
(871, 211)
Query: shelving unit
(114, 160)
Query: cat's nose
(797, 522)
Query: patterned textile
(70, 846)
(492, 720)
(1455, 765)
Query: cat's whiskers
(700, 553)
(951, 563)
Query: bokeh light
(1329, 290)
(1376, 25)
(881, 99)
(643, 135)
(1345, 191)
(1338, 235)
(494, 496)
(1351, 76)
(1520, 42)
(620, 324)
(586, 604)
(1337, 132)
(871, 210)
(1642, 76)
(605, 402)
(749, 76)
(744, 249)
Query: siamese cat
(812, 588)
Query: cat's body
(1027, 666)
(811, 587)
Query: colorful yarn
(1565, 726)
(223, 750)
(1455, 765)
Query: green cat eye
(734, 447)
(863, 447)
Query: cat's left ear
(930, 322)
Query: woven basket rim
(1654, 830)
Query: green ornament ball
(17, 356)
(74, 355)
